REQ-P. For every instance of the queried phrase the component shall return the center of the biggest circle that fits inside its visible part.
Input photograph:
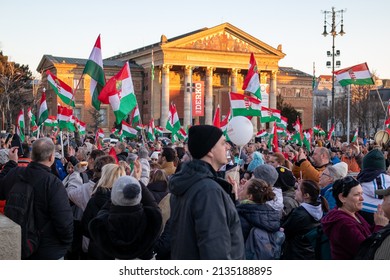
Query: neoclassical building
(195, 71)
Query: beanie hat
(339, 170)
(286, 179)
(202, 138)
(126, 191)
(131, 158)
(374, 160)
(267, 173)
(257, 159)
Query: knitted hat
(155, 155)
(202, 138)
(374, 160)
(143, 153)
(126, 191)
(340, 170)
(267, 173)
(286, 179)
(131, 158)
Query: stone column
(273, 90)
(187, 96)
(233, 76)
(165, 95)
(209, 96)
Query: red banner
(198, 99)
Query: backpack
(369, 246)
(262, 245)
(320, 242)
(19, 207)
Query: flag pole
(348, 111)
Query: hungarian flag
(119, 92)
(51, 121)
(99, 137)
(20, 125)
(243, 105)
(331, 132)
(316, 129)
(355, 136)
(150, 134)
(173, 122)
(266, 115)
(298, 127)
(139, 126)
(112, 153)
(387, 123)
(82, 126)
(64, 92)
(274, 139)
(217, 117)
(182, 134)
(135, 116)
(34, 130)
(128, 131)
(43, 113)
(64, 116)
(283, 122)
(224, 124)
(261, 133)
(158, 130)
(356, 75)
(100, 133)
(252, 82)
(276, 115)
(94, 68)
(31, 117)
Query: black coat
(159, 189)
(53, 212)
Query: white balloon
(240, 130)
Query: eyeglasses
(323, 173)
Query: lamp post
(334, 53)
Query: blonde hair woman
(100, 196)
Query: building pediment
(225, 38)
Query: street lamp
(333, 33)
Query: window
(76, 82)
(103, 116)
(77, 113)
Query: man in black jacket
(53, 214)
(204, 220)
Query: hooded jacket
(300, 221)
(345, 233)
(204, 220)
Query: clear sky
(31, 29)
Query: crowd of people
(199, 198)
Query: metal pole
(333, 103)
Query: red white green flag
(182, 134)
(20, 125)
(387, 123)
(135, 116)
(43, 113)
(158, 130)
(316, 129)
(276, 115)
(173, 122)
(119, 92)
(283, 122)
(252, 82)
(82, 126)
(94, 68)
(355, 136)
(217, 117)
(224, 123)
(243, 105)
(51, 121)
(150, 134)
(266, 115)
(356, 75)
(64, 116)
(262, 133)
(129, 131)
(64, 92)
(298, 128)
(140, 126)
(100, 133)
(331, 132)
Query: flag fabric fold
(64, 92)
(20, 125)
(217, 118)
(43, 113)
(119, 93)
(331, 132)
(252, 82)
(243, 105)
(94, 68)
(129, 131)
(173, 122)
(357, 75)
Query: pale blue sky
(30, 29)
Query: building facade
(209, 62)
